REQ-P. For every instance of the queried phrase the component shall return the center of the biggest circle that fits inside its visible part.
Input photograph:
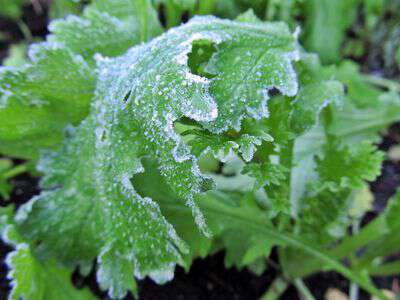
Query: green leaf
(398, 56)
(328, 200)
(17, 56)
(358, 163)
(325, 25)
(359, 92)
(6, 216)
(268, 65)
(388, 240)
(223, 147)
(107, 27)
(11, 8)
(241, 218)
(354, 125)
(39, 99)
(31, 278)
(305, 149)
(266, 174)
(62, 8)
(140, 96)
(5, 187)
(233, 8)
(34, 106)
(307, 122)
(311, 100)
(229, 213)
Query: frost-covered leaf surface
(139, 97)
(39, 99)
(216, 135)
(34, 107)
(107, 27)
(30, 278)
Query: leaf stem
(276, 289)
(303, 289)
(382, 82)
(354, 288)
(205, 7)
(354, 291)
(172, 14)
(144, 21)
(282, 237)
(386, 269)
(25, 30)
(15, 171)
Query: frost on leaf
(29, 277)
(139, 97)
(34, 106)
(257, 58)
(108, 27)
(223, 147)
(39, 99)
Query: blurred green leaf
(325, 26)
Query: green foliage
(30, 278)
(398, 56)
(11, 8)
(61, 8)
(218, 134)
(37, 106)
(5, 187)
(7, 171)
(326, 25)
(17, 55)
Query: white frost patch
(196, 78)
(35, 52)
(163, 275)
(199, 218)
(9, 262)
(24, 211)
(187, 45)
(297, 32)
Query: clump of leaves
(157, 149)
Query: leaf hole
(127, 96)
(163, 18)
(273, 92)
(345, 89)
(103, 136)
(150, 183)
(199, 57)
(161, 15)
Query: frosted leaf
(246, 67)
(311, 100)
(248, 144)
(31, 278)
(223, 147)
(38, 100)
(35, 107)
(107, 27)
(138, 99)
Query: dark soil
(208, 278)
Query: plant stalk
(15, 171)
(276, 289)
(303, 290)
